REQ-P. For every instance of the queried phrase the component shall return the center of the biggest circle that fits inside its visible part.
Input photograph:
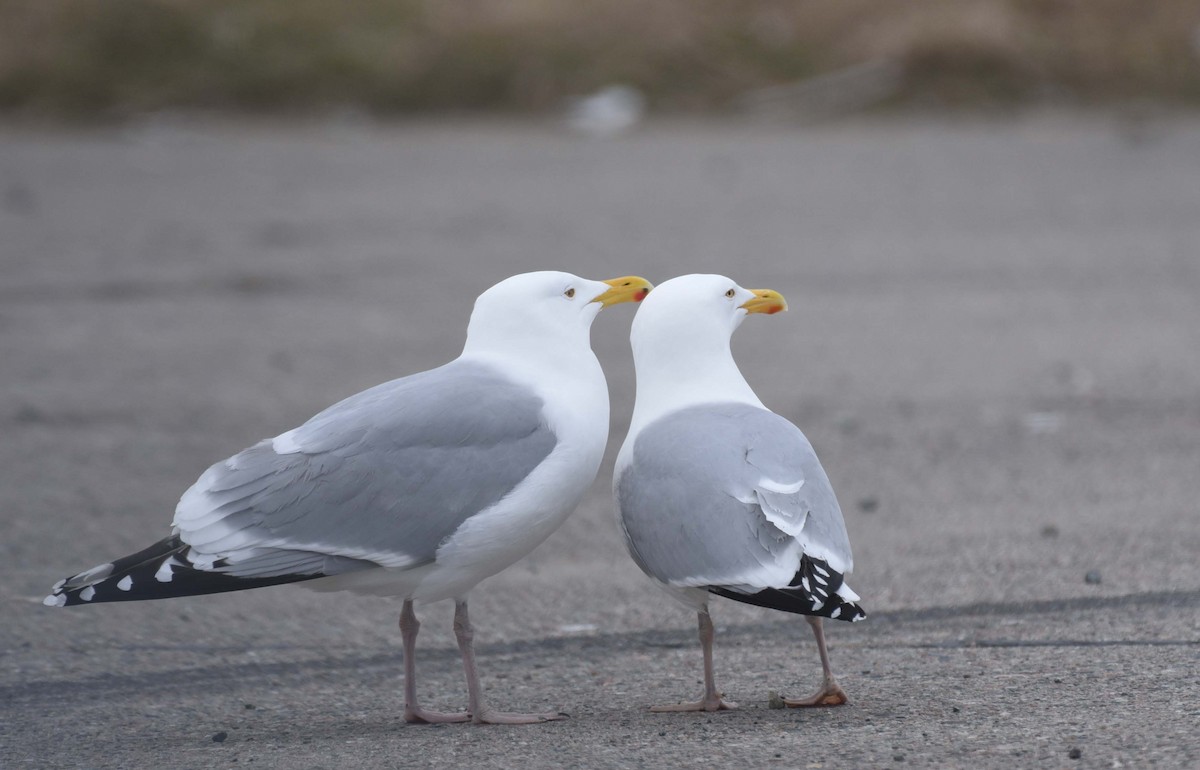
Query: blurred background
(102, 60)
(217, 218)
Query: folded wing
(732, 498)
(378, 480)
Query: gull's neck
(557, 362)
(671, 377)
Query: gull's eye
(569, 293)
(730, 293)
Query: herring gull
(417, 488)
(716, 493)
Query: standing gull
(716, 493)
(419, 488)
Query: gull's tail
(817, 589)
(161, 571)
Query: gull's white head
(699, 310)
(680, 339)
(534, 312)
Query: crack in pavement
(223, 677)
(969, 643)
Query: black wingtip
(161, 571)
(813, 591)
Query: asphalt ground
(993, 343)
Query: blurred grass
(110, 58)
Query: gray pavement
(994, 345)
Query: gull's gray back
(691, 498)
(384, 476)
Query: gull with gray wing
(418, 488)
(716, 493)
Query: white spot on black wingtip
(836, 611)
(125, 583)
(55, 600)
(164, 573)
(87, 593)
(807, 587)
(820, 571)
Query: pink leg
(712, 700)
(830, 694)
(480, 712)
(409, 626)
